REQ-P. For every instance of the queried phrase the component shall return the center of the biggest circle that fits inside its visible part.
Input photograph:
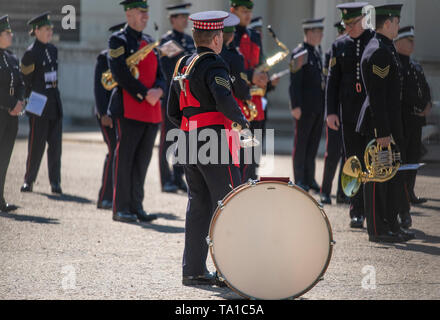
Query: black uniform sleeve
(220, 87)
(378, 71)
(27, 70)
(426, 91)
(333, 83)
(101, 96)
(173, 106)
(19, 87)
(241, 83)
(120, 70)
(161, 81)
(295, 88)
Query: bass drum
(270, 240)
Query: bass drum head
(270, 241)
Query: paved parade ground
(63, 247)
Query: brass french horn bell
(382, 165)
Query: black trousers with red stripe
(333, 155)
(8, 133)
(250, 157)
(354, 145)
(42, 131)
(134, 148)
(166, 174)
(383, 201)
(106, 190)
(207, 185)
(307, 137)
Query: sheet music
(36, 103)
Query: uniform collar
(309, 46)
(404, 59)
(178, 34)
(384, 39)
(40, 44)
(135, 34)
(204, 49)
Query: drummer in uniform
(172, 180)
(307, 85)
(381, 118)
(39, 67)
(102, 99)
(248, 41)
(135, 108)
(201, 100)
(11, 105)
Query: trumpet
(382, 165)
(107, 80)
(270, 63)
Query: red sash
(143, 111)
(251, 52)
(206, 119)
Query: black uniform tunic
(345, 95)
(208, 183)
(11, 91)
(40, 74)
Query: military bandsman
(345, 92)
(202, 100)
(136, 109)
(307, 85)
(39, 67)
(11, 104)
(172, 179)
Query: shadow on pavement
(168, 216)
(25, 218)
(426, 238)
(161, 228)
(65, 197)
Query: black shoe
(325, 199)
(303, 186)
(105, 204)
(407, 234)
(181, 185)
(124, 217)
(417, 200)
(7, 207)
(315, 187)
(389, 237)
(208, 279)
(56, 188)
(26, 187)
(145, 217)
(342, 199)
(406, 220)
(170, 187)
(357, 222)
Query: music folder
(36, 103)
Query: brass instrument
(382, 165)
(270, 63)
(107, 80)
(250, 110)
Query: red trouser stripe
(116, 165)
(374, 208)
(107, 165)
(230, 175)
(30, 151)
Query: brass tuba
(270, 62)
(382, 165)
(107, 80)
